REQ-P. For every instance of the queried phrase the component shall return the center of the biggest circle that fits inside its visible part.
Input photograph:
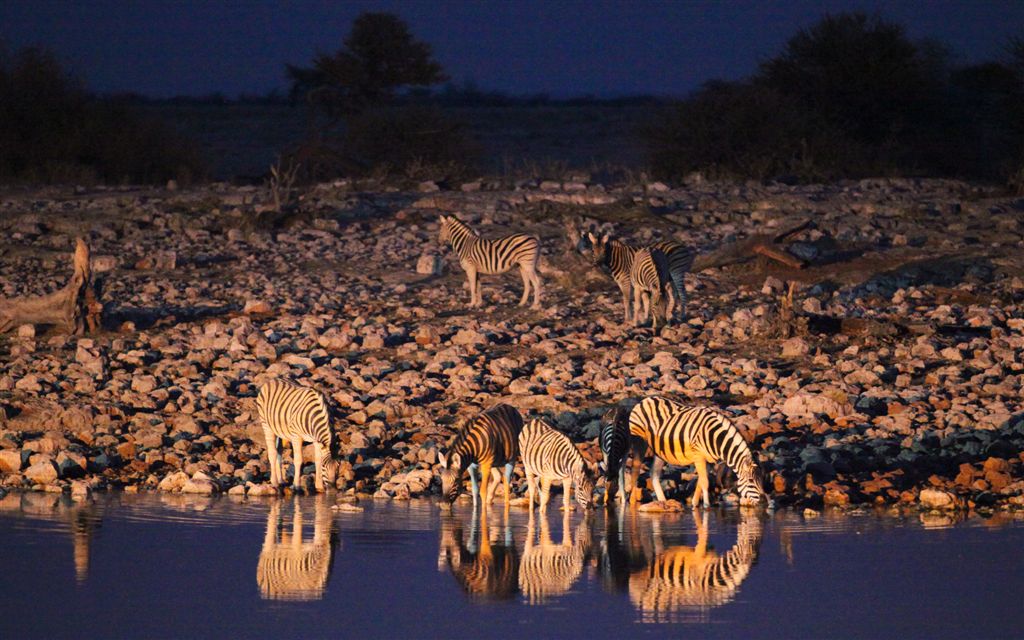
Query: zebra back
(678, 434)
(550, 454)
(650, 271)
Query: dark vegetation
(852, 96)
(53, 131)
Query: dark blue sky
(560, 47)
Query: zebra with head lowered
(684, 435)
(549, 456)
(297, 414)
(615, 258)
(649, 280)
(616, 443)
(488, 441)
(480, 256)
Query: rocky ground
(916, 400)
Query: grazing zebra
(486, 442)
(615, 258)
(483, 569)
(616, 443)
(480, 256)
(681, 579)
(297, 414)
(290, 568)
(682, 435)
(649, 279)
(550, 456)
(547, 569)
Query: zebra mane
(456, 222)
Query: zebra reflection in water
(547, 569)
(485, 569)
(290, 568)
(678, 583)
(83, 519)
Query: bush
(53, 130)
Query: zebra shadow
(678, 583)
(548, 569)
(289, 567)
(486, 569)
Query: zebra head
(451, 472)
(750, 484)
(584, 482)
(597, 248)
(445, 235)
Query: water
(175, 566)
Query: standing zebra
(290, 568)
(480, 256)
(489, 440)
(682, 435)
(550, 456)
(649, 279)
(616, 442)
(615, 258)
(297, 414)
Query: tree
(379, 57)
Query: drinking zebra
(547, 569)
(682, 435)
(480, 256)
(297, 414)
(681, 579)
(616, 442)
(615, 258)
(649, 279)
(486, 442)
(290, 568)
(550, 456)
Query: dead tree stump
(76, 308)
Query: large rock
(173, 482)
(806, 404)
(795, 347)
(42, 472)
(430, 264)
(938, 499)
(200, 484)
(10, 461)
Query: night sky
(560, 47)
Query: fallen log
(750, 248)
(75, 309)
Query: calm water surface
(173, 566)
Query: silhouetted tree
(379, 56)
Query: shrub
(53, 130)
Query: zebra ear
(591, 237)
(443, 460)
(605, 238)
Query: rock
(468, 336)
(428, 186)
(201, 484)
(260, 490)
(430, 264)
(256, 307)
(143, 384)
(668, 506)
(173, 482)
(42, 473)
(10, 461)
(795, 347)
(347, 507)
(27, 331)
(938, 499)
(237, 490)
(80, 491)
(805, 404)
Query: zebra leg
(656, 468)
(318, 480)
(272, 456)
(485, 478)
(680, 287)
(655, 301)
(526, 285)
(508, 484)
(701, 490)
(567, 498)
(472, 480)
(297, 461)
(622, 483)
(637, 295)
(471, 275)
(531, 490)
(536, 288)
(545, 493)
(493, 487)
(627, 293)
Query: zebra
(547, 569)
(297, 414)
(616, 443)
(480, 256)
(684, 435)
(649, 279)
(550, 456)
(486, 442)
(290, 568)
(483, 570)
(615, 258)
(683, 578)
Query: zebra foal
(549, 456)
(486, 442)
(297, 414)
(683, 435)
(480, 256)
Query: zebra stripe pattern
(289, 568)
(649, 279)
(616, 441)
(480, 256)
(682, 435)
(549, 456)
(484, 570)
(682, 578)
(547, 569)
(616, 259)
(297, 414)
(488, 441)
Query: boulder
(938, 499)
(42, 472)
(10, 461)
